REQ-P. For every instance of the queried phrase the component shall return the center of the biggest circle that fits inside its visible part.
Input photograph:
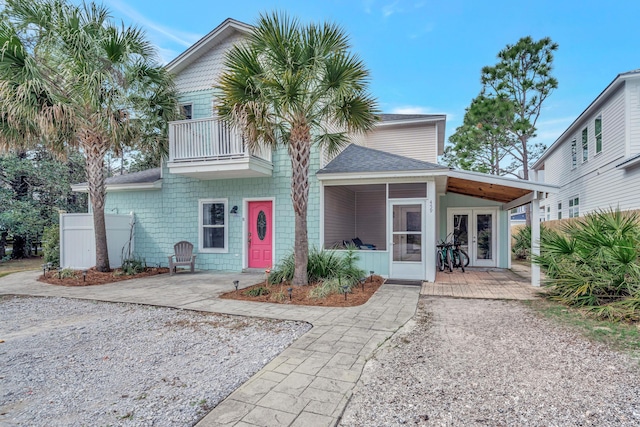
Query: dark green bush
(256, 292)
(51, 245)
(594, 263)
(133, 265)
(322, 264)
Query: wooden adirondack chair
(183, 256)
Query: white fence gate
(78, 244)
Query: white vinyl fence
(78, 244)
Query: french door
(475, 230)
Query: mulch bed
(300, 294)
(95, 277)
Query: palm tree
(293, 85)
(69, 76)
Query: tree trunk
(95, 150)
(525, 176)
(300, 153)
(19, 247)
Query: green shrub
(133, 265)
(67, 273)
(51, 245)
(593, 262)
(521, 246)
(322, 264)
(256, 292)
(331, 286)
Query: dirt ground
(300, 294)
(95, 277)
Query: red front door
(259, 234)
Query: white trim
(521, 201)
(205, 43)
(435, 119)
(156, 185)
(245, 224)
(471, 245)
(202, 249)
(422, 201)
(627, 121)
(321, 225)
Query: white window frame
(201, 248)
(559, 210)
(584, 138)
(184, 104)
(574, 207)
(574, 153)
(597, 135)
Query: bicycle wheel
(449, 261)
(464, 258)
(440, 261)
(460, 261)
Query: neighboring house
(596, 161)
(385, 188)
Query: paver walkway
(491, 283)
(308, 384)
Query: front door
(407, 237)
(475, 230)
(259, 234)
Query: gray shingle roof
(143, 177)
(356, 158)
(396, 117)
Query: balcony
(211, 149)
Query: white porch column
(430, 231)
(535, 238)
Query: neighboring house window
(559, 210)
(598, 131)
(585, 145)
(213, 228)
(574, 207)
(574, 154)
(187, 111)
(548, 213)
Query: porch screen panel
(407, 233)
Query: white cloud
(367, 5)
(390, 9)
(183, 38)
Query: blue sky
(426, 56)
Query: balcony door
(475, 230)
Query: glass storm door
(475, 230)
(407, 236)
(259, 233)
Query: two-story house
(596, 161)
(385, 188)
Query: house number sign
(262, 225)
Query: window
(559, 210)
(186, 110)
(585, 145)
(574, 154)
(548, 213)
(213, 233)
(574, 207)
(597, 126)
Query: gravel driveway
(68, 362)
(494, 363)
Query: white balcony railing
(208, 139)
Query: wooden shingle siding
(339, 215)
(204, 71)
(417, 142)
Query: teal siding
(166, 216)
(202, 101)
(452, 200)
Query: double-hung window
(559, 210)
(574, 207)
(597, 127)
(574, 154)
(585, 145)
(213, 227)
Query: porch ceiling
(485, 190)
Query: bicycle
(460, 258)
(444, 256)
